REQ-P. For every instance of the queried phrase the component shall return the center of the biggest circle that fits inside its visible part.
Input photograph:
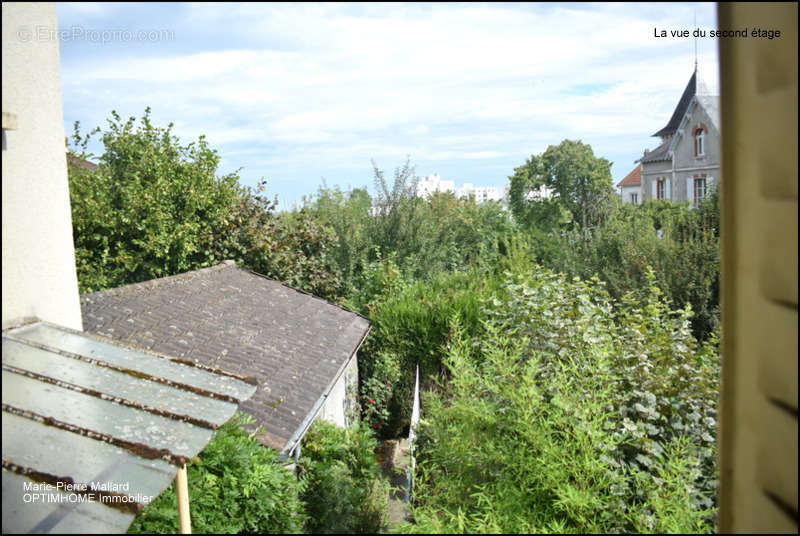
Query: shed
(301, 349)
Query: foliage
(237, 485)
(583, 194)
(343, 489)
(302, 256)
(347, 213)
(152, 209)
(411, 328)
(422, 236)
(573, 417)
(685, 257)
(156, 207)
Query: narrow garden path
(395, 461)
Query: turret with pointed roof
(680, 110)
(685, 165)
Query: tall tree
(581, 186)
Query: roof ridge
(150, 283)
(226, 264)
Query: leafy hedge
(343, 490)
(237, 485)
(574, 417)
(156, 207)
(410, 326)
(681, 244)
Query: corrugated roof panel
(99, 463)
(93, 430)
(52, 511)
(94, 414)
(81, 375)
(111, 353)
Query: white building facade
(430, 184)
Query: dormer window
(699, 141)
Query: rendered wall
(341, 400)
(38, 269)
(686, 163)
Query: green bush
(342, 487)
(156, 207)
(411, 328)
(236, 486)
(576, 416)
(422, 236)
(685, 258)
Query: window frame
(700, 141)
(704, 192)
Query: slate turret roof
(295, 345)
(680, 110)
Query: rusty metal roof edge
(309, 419)
(250, 380)
(141, 450)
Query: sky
(298, 94)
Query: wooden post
(182, 488)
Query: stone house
(686, 166)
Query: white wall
(338, 404)
(626, 192)
(39, 276)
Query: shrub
(155, 207)
(576, 416)
(410, 328)
(236, 486)
(343, 489)
(685, 257)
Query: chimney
(646, 151)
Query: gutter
(292, 448)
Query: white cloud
(335, 84)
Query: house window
(635, 198)
(699, 142)
(661, 188)
(699, 190)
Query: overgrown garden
(567, 345)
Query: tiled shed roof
(295, 344)
(634, 178)
(79, 162)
